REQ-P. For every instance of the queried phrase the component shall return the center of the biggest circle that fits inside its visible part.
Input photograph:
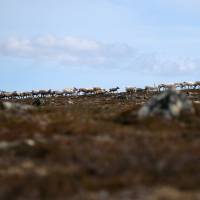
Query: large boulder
(168, 104)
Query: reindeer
(166, 87)
(99, 91)
(161, 86)
(70, 91)
(89, 91)
(52, 94)
(86, 91)
(16, 94)
(197, 84)
(131, 90)
(8, 95)
(179, 85)
(25, 94)
(35, 93)
(150, 89)
(189, 85)
(2, 94)
(113, 90)
(57, 93)
(81, 91)
(140, 90)
(44, 93)
(96, 89)
(170, 87)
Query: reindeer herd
(96, 90)
(55, 93)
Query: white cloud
(16, 47)
(47, 41)
(78, 44)
(73, 51)
(68, 50)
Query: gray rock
(14, 106)
(168, 104)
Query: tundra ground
(95, 148)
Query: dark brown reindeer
(113, 90)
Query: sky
(85, 43)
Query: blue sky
(84, 43)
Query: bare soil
(95, 148)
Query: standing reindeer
(44, 93)
(197, 84)
(166, 87)
(70, 91)
(35, 93)
(188, 85)
(112, 90)
(131, 90)
(149, 89)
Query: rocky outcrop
(168, 104)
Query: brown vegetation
(94, 147)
